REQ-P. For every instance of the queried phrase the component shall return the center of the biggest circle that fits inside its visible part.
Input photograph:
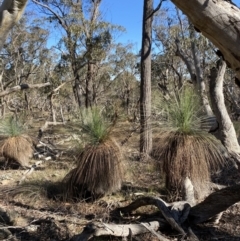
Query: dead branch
(23, 87)
(214, 204)
(173, 216)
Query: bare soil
(37, 210)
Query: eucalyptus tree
(86, 40)
(124, 86)
(24, 64)
(145, 86)
(177, 37)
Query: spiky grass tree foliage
(184, 149)
(99, 168)
(15, 145)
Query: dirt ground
(37, 210)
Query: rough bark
(145, 87)
(10, 12)
(218, 20)
(227, 132)
(89, 85)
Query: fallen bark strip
(23, 87)
(124, 230)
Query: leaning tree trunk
(227, 132)
(10, 12)
(145, 87)
(218, 20)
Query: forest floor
(39, 213)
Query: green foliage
(182, 111)
(94, 125)
(9, 127)
(183, 149)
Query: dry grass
(18, 149)
(99, 171)
(194, 156)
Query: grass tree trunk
(227, 132)
(213, 18)
(10, 12)
(145, 87)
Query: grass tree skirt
(15, 145)
(99, 172)
(18, 149)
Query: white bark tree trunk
(218, 20)
(227, 132)
(10, 12)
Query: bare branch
(23, 87)
(61, 21)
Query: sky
(128, 13)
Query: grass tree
(15, 145)
(99, 168)
(184, 150)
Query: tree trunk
(199, 74)
(227, 132)
(77, 92)
(89, 83)
(213, 18)
(145, 87)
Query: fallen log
(214, 204)
(179, 215)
